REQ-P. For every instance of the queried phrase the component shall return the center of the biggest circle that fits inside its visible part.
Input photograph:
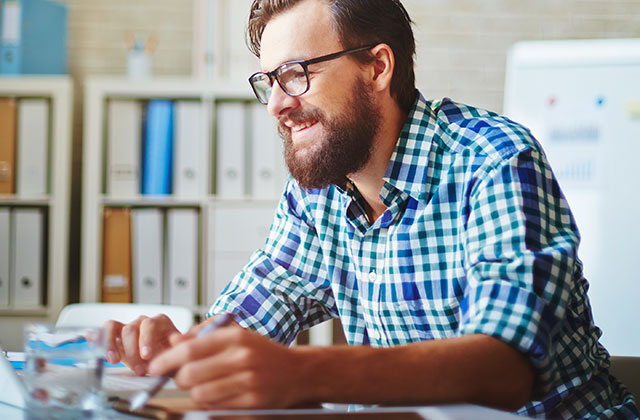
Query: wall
(461, 47)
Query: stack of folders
(249, 157)
(156, 148)
(24, 144)
(150, 255)
(160, 147)
(33, 37)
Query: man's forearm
(475, 369)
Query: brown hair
(357, 22)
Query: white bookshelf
(98, 90)
(58, 90)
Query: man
(435, 231)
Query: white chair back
(96, 314)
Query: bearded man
(435, 231)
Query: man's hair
(358, 23)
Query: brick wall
(462, 44)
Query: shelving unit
(213, 251)
(54, 204)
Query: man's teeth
(301, 126)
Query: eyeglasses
(292, 76)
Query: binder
(33, 38)
(236, 231)
(116, 255)
(158, 145)
(27, 259)
(268, 167)
(5, 235)
(230, 153)
(33, 147)
(182, 249)
(148, 251)
(225, 266)
(124, 141)
(8, 113)
(190, 164)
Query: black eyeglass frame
(304, 63)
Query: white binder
(182, 247)
(148, 250)
(5, 230)
(27, 244)
(230, 142)
(190, 157)
(124, 141)
(33, 147)
(236, 230)
(224, 268)
(268, 169)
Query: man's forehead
(302, 32)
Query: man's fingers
(207, 369)
(113, 329)
(130, 339)
(189, 350)
(154, 335)
(231, 392)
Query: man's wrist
(316, 374)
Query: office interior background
(462, 48)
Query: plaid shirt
(477, 238)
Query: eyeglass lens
(291, 77)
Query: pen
(139, 399)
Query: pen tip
(138, 400)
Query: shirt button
(373, 276)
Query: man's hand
(137, 342)
(233, 368)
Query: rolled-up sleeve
(284, 288)
(520, 255)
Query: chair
(96, 314)
(627, 370)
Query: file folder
(124, 141)
(182, 246)
(8, 115)
(269, 172)
(116, 255)
(33, 147)
(190, 157)
(182, 249)
(230, 153)
(33, 38)
(236, 230)
(158, 148)
(27, 259)
(148, 252)
(5, 235)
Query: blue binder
(33, 37)
(158, 148)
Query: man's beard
(345, 148)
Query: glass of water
(63, 371)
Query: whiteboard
(581, 100)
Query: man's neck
(369, 180)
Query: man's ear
(382, 67)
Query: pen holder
(138, 64)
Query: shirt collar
(408, 169)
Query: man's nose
(279, 102)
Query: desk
(443, 412)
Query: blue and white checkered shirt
(477, 238)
